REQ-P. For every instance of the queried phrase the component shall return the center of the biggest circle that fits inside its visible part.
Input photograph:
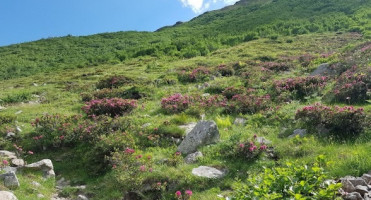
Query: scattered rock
(323, 70)
(300, 132)
(18, 112)
(8, 169)
(188, 127)
(45, 165)
(355, 180)
(262, 140)
(61, 183)
(82, 197)
(240, 121)
(10, 135)
(10, 180)
(17, 162)
(8, 154)
(362, 189)
(208, 172)
(2, 108)
(176, 140)
(146, 125)
(5, 195)
(18, 129)
(353, 196)
(204, 133)
(35, 84)
(36, 184)
(192, 158)
(40, 196)
(205, 95)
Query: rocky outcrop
(192, 158)
(188, 127)
(356, 188)
(208, 172)
(323, 70)
(204, 133)
(10, 180)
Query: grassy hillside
(247, 20)
(106, 109)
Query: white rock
(208, 172)
(7, 154)
(192, 158)
(82, 197)
(36, 184)
(17, 162)
(5, 195)
(45, 165)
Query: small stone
(18, 112)
(7, 154)
(146, 125)
(18, 129)
(17, 162)
(40, 196)
(36, 184)
(192, 158)
(45, 165)
(5, 195)
(262, 140)
(2, 108)
(362, 189)
(239, 121)
(35, 84)
(205, 95)
(82, 197)
(355, 181)
(300, 132)
(208, 172)
(188, 127)
(10, 135)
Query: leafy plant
(112, 107)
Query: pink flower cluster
(187, 196)
(113, 107)
(176, 103)
(248, 103)
(275, 66)
(196, 75)
(302, 86)
(252, 148)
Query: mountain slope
(247, 20)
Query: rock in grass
(323, 70)
(239, 121)
(204, 133)
(17, 162)
(82, 197)
(208, 172)
(348, 186)
(354, 180)
(362, 189)
(45, 165)
(192, 158)
(5, 195)
(188, 127)
(10, 180)
(7, 154)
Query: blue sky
(29, 20)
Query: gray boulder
(44, 165)
(188, 127)
(300, 132)
(204, 133)
(5, 195)
(7, 154)
(367, 178)
(82, 197)
(354, 180)
(362, 189)
(323, 70)
(348, 186)
(17, 162)
(10, 180)
(208, 172)
(192, 158)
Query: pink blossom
(188, 192)
(5, 162)
(178, 194)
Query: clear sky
(29, 20)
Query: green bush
(290, 181)
(113, 82)
(16, 98)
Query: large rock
(354, 180)
(188, 127)
(362, 189)
(323, 70)
(10, 180)
(5, 195)
(204, 133)
(45, 165)
(208, 172)
(347, 186)
(17, 162)
(192, 158)
(367, 178)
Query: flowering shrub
(247, 104)
(251, 149)
(210, 102)
(225, 70)
(199, 74)
(351, 87)
(300, 86)
(229, 92)
(276, 66)
(130, 169)
(132, 93)
(341, 122)
(113, 82)
(187, 195)
(113, 107)
(290, 181)
(306, 59)
(176, 103)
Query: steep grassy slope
(247, 20)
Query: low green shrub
(16, 98)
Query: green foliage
(16, 98)
(290, 181)
(223, 122)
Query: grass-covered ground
(251, 67)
